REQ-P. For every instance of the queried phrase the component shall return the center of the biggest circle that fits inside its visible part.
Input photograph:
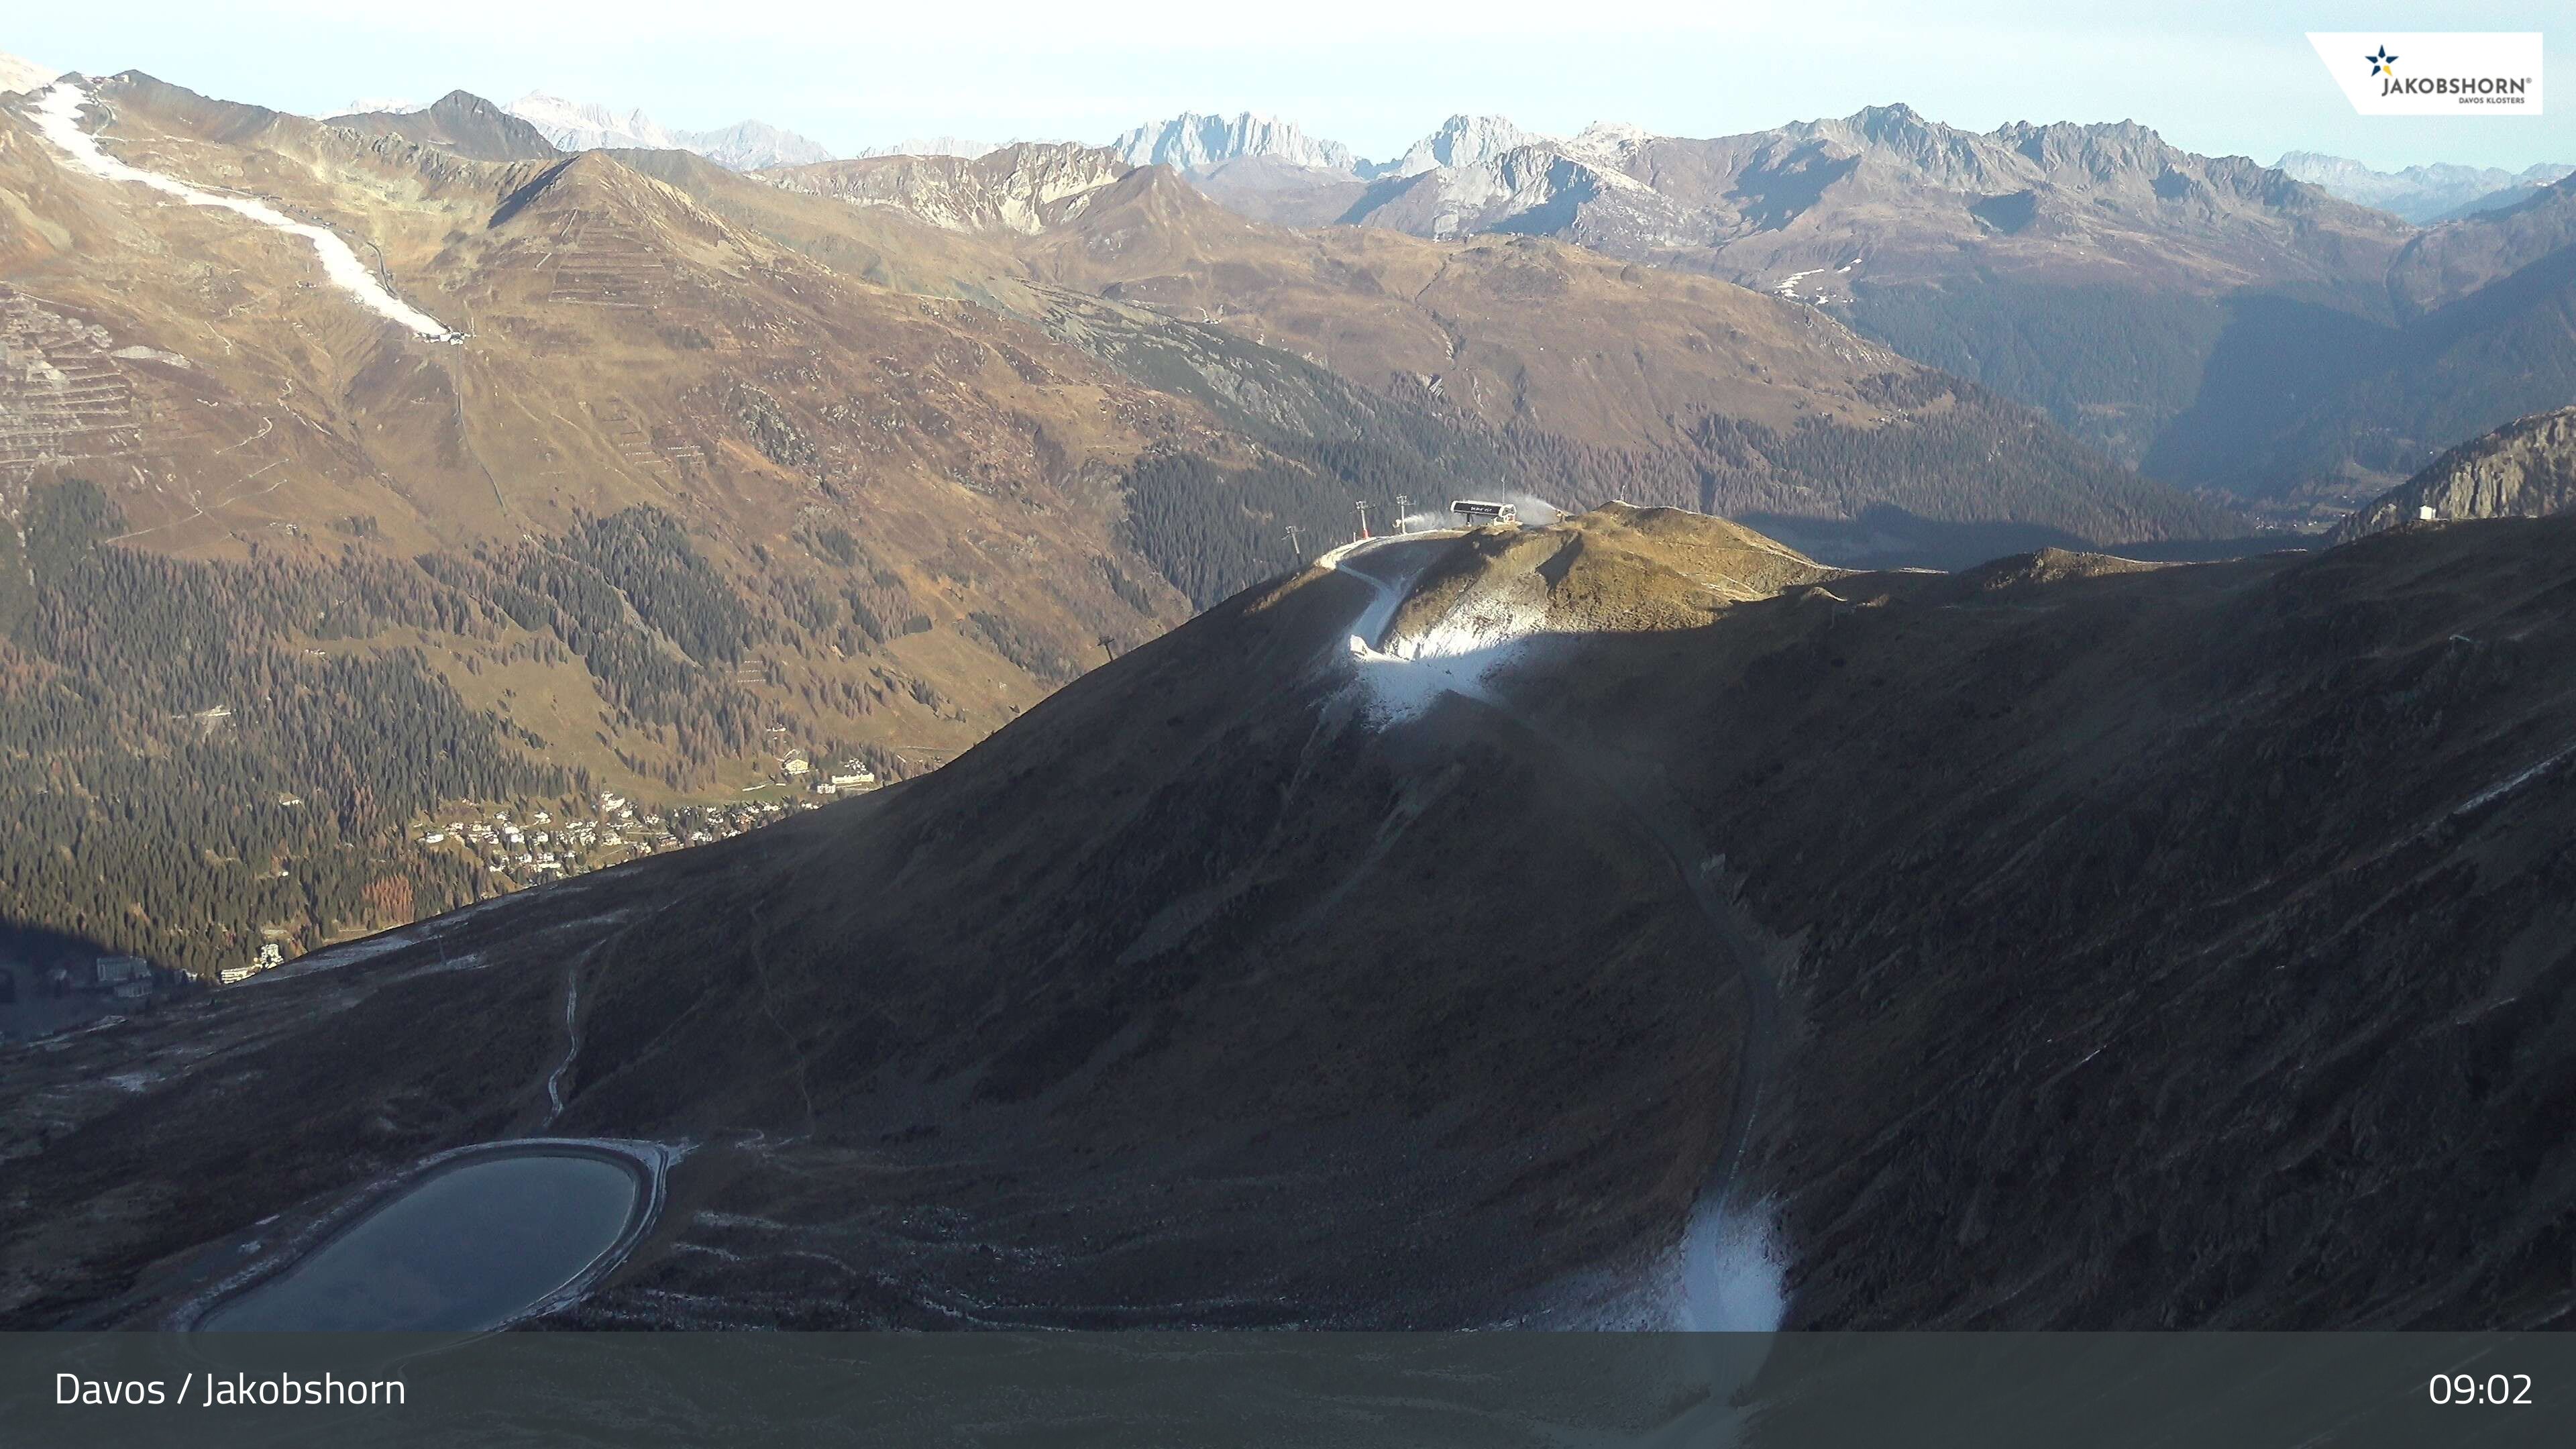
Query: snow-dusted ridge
(57, 117)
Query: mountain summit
(1462, 140)
(2421, 194)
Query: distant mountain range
(1190, 140)
(1201, 145)
(931, 146)
(742, 146)
(2273, 335)
(2422, 194)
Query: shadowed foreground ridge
(2179, 946)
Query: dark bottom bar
(1900, 1391)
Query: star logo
(2383, 63)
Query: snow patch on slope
(1401, 678)
(57, 116)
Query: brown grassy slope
(628, 347)
(1513, 330)
(1575, 351)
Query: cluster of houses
(545, 847)
(270, 954)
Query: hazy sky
(2213, 77)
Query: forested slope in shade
(2183, 946)
(202, 750)
(1968, 475)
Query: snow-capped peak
(1463, 141)
(579, 126)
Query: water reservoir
(468, 1246)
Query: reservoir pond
(468, 1246)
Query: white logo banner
(2430, 73)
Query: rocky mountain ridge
(461, 122)
(2281, 345)
(1191, 140)
(1659, 370)
(1022, 188)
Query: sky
(2220, 78)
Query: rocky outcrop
(1022, 188)
(2525, 469)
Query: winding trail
(1641, 789)
(572, 1046)
(57, 116)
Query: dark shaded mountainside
(724, 475)
(2211, 321)
(2065, 943)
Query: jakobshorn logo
(2460, 73)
